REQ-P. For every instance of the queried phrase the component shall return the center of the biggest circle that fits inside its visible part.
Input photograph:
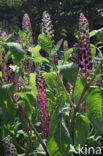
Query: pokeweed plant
(50, 113)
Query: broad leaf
(81, 130)
(16, 50)
(99, 34)
(93, 50)
(78, 90)
(92, 33)
(45, 43)
(94, 109)
(62, 137)
(69, 72)
(56, 48)
(35, 51)
(59, 137)
(26, 101)
(5, 91)
(67, 54)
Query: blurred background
(64, 15)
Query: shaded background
(64, 15)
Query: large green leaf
(53, 148)
(69, 72)
(27, 100)
(67, 54)
(5, 91)
(56, 48)
(94, 109)
(78, 90)
(45, 43)
(50, 78)
(93, 50)
(35, 51)
(92, 33)
(81, 130)
(99, 34)
(16, 50)
(59, 137)
(62, 137)
(6, 103)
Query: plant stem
(34, 129)
(22, 148)
(61, 82)
(83, 92)
(37, 134)
(29, 132)
(76, 109)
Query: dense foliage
(51, 99)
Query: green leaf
(99, 34)
(62, 137)
(5, 91)
(24, 37)
(92, 33)
(69, 72)
(27, 103)
(35, 51)
(78, 90)
(16, 50)
(53, 148)
(59, 137)
(67, 54)
(45, 43)
(7, 103)
(56, 48)
(40, 60)
(14, 68)
(81, 130)
(50, 78)
(93, 50)
(94, 109)
(8, 56)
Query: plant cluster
(50, 106)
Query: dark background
(64, 15)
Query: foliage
(39, 114)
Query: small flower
(84, 46)
(42, 102)
(6, 71)
(65, 45)
(26, 25)
(3, 35)
(20, 41)
(82, 51)
(47, 27)
(32, 68)
(10, 149)
(68, 87)
(26, 65)
(83, 108)
(12, 78)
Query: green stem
(37, 134)
(22, 148)
(61, 82)
(83, 92)
(34, 129)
